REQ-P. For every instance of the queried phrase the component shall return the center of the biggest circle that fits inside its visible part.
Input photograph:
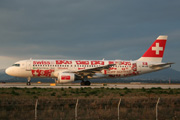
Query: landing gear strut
(29, 81)
(85, 83)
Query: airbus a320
(65, 71)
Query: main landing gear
(85, 83)
(29, 81)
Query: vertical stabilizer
(156, 50)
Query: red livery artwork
(42, 73)
(64, 77)
(41, 62)
(156, 49)
(63, 62)
(82, 62)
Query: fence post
(157, 108)
(118, 107)
(76, 117)
(36, 109)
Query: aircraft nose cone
(7, 71)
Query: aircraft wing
(91, 71)
(96, 69)
(160, 65)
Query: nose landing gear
(29, 81)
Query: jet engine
(66, 77)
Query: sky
(87, 29)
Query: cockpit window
(17, 65)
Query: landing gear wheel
(82, 83)
(28, 83)
(87, 83)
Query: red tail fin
(156, 50)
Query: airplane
(65, 71)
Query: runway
(93, 85)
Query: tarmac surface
(93, 85)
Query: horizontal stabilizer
(160, 65)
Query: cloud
(86, 29)
(7, 61)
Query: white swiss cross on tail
(156, 50)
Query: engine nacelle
(66, 77)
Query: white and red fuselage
(70, 70)
(49, 68)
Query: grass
(85, 92)
(97, 103)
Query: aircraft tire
(28, 83)
(82, 83)
(87, 83)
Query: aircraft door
(139, 66)
(28, 65)
(134, 67)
